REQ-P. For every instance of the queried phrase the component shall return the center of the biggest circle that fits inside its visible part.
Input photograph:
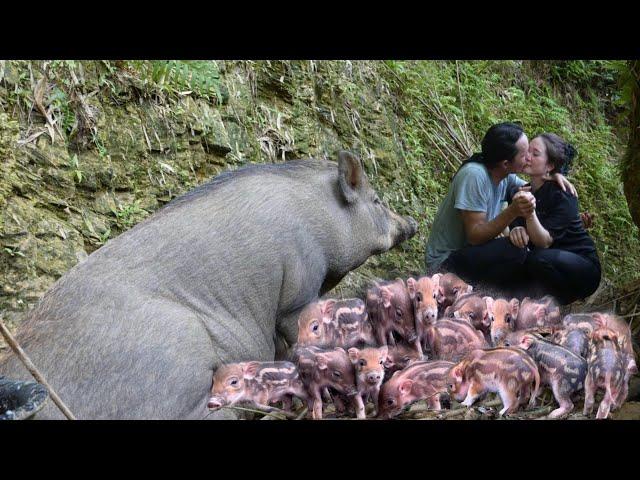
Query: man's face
(522, 158)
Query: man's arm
(478, 230)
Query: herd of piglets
(434, 337)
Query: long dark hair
(498, 144)
(559, 152)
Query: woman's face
(538, 160)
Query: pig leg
(509, 400)
(392, 340)
(472, 394)
(359, 404)
(605, 406)
(589, 394)
(316, 404)
(563, 397)
(375, 398)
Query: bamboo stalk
(33, 370)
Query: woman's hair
(559, 152)
(498, 144)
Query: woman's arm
(538, 235)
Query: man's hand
(519, 237)
(562, 181)
(523, 204)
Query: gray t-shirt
(472, 189)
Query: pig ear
(384, 352)
(328, 307)
(436, 279)
(526, 342)
(354, 353)
(469, 288)
(351, 175)
(250, 369)
(387, 295)
(411, 287)
(405, 387)
(489, 302)
(322, 362)
(515, 307)
(600, 319)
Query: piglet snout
(373, 377)
(214, 403)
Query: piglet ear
(322, 361)
(458, 370)
(250, 369)
(387, 295)
(351, 176)
(489, 302)
(436, 279)
(526, 342)
(328, 308)
(405, 387)
(411, 287)
(469, 288)
(600, 319)
(515, 307)
(384, 352)
(354, 353)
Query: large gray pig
(216, 276)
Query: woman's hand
(519, 237)
(562, 181)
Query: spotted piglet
(391, 311)
(574, 339)
(421, 380)
(472, 308)
(322, 368)
(451, 339)
(606, 372)
(559, 368)
(315, 324)
(369, 369)
(509, 371)
(509, 316)
(398, 358)
(260, 383)
(352, 325)
(449, 287)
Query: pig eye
(508, 319)
(398, 312)
(419, 297)
(362, 362)
(472, 315)
(434, 294)
(381, 362)
(406, 359)
(377, 201)
(337, 374)
(233, 382)
(450, 386)
(390, 401)
(315, 327)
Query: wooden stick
(33, 370)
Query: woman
(562, 258)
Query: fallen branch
(33, 370)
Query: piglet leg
(563, 398)
(472, 394)
(589, 394)
(359, 404)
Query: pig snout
(373, 377)
(215, 403)
(408, 228)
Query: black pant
(497, 263)
(565, 275)
(519, 272)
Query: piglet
(322, 368)
(315, 324)
(352, 325)
(509, 371)
(391, 310)
(559, 368)
(423, 297)
(399, 357)
(606, 372)
(369, 369)
(260, 383)
(574, 339)
(509, 316)
(421, 380)
(451, 339)
(472, 308)
(449, 287)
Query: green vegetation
(91, 148)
